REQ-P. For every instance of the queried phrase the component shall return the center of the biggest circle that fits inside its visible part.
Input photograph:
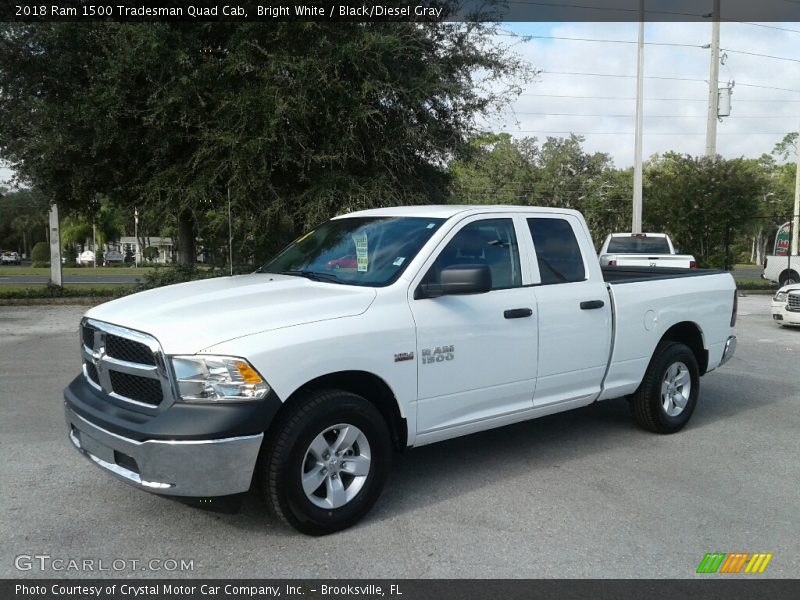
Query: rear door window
(557, 250)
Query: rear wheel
(667, 396)
(326, 464)
(788, 278)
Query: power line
(529, 38)
(532, 37)
(796, 60)
(628, 116)
(646, 99)
(645, 133)
(762, 25)
(622, 76)
(753, 85)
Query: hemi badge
(403, 356)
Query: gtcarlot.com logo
(734, 562)
(46, 562)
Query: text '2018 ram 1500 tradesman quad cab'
(305, 376)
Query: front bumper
(784, 316)
(213, 467)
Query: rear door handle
(590, 304)
(518, 313)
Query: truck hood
(189, 317)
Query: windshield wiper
(313, 275)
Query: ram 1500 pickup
(377, 331)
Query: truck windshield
(368, 251)
(638, 245)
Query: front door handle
(590, 304)
(518, 313)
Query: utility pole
(713, 84)
(54, 236)
(94, 244)
(796, 211)
(636, 226)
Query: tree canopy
(300, 120)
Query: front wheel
(668, 394)
(326, 464)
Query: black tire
(647, 403)
(788, 278)
(284, 457)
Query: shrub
(150, 253)
(41, 253)
(38, 264)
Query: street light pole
(230, 231)
(136, 237)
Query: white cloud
(668, 125)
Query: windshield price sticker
(362, 253)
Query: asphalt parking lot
(580, 494)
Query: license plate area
(92, 446)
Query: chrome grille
(127, 365)
(793, 302)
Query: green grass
(71, 290)
(84, 271)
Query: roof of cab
(445, 211)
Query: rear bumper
(729, 350)
(213, 467)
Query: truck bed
(620, 275)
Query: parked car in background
(345, 262)
(643, 250)
(10, 258)
(86, 257)
(783, 270)
(786, 305)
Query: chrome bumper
(178, 468)
(729, 351)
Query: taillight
(692, 264)
(735, 307)
(612, 263)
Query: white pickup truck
(783, 270)
(643, 250)
(377, 331)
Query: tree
(498, 169)
(787, 146)
(300, 120)
(702, 202)
(23, 220)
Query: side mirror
(459, 280)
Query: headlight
(780, 297)
(217, 379)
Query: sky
(674, 110)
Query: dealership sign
(783, 240)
